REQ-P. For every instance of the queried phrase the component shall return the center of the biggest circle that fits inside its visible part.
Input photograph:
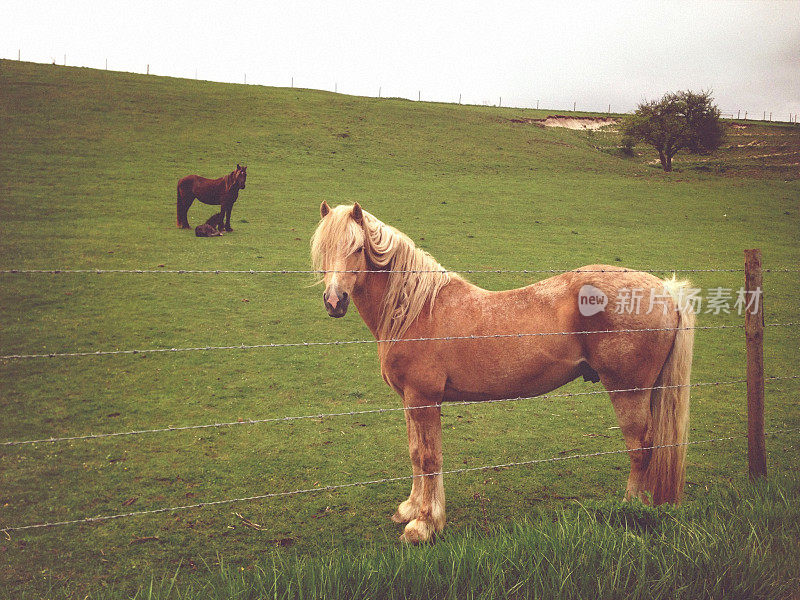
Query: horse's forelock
(337, 236)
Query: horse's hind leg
(184, 202)
(633, 415)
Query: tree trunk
(666, 160)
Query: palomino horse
(220, 192)
(401, 292)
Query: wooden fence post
(754, 335)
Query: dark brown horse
(221, 192)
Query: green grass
(733, 543)
(89, 162)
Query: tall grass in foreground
(733, 544)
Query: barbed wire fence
(321, 416)
(68, 271)
(334, 487)
(75, 354)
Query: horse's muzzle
(336, 305)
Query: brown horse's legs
(409, 509)
(225, 211)
(633, 415)
(425, 447)
(183, 209)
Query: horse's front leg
(227, 207)
(409, 509)
(425, 448)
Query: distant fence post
(754, 335)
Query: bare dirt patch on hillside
(579, 123)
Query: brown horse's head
(337, 250)
(240, 176)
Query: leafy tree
(679, 121)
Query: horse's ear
(357, 214)
(238, 167)
(324, 209)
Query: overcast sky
(555, 53)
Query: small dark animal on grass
(211, 227)
(221, 192)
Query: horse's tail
(179, 205)
(182, 208)
(669, 407)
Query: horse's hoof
(229, 229)
(417, 532)
(406, 511)
(397, 518)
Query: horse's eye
(359, 250)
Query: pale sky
(595, 54)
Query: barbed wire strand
(373, 341)
(319, 272)
(92, 436)
(331, 488)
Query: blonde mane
(415, 277)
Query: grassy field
(730, 544)
(89, 162)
